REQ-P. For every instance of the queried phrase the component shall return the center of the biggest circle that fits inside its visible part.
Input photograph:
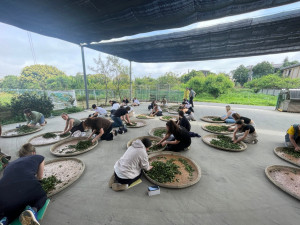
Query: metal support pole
(84, 76)
(130, 94)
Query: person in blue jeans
(21, 193)
(228, 118)
(118, 116)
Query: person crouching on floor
(128, 168)
(246, 133)
(21, 193)
(101, 127)
(292, 137)
(33, 118)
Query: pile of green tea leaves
(155, 146)
(49, 135)
(217, 128)
(291, 151)
(65, 135)
(80, 146)
(225, 142)
(49, 183)
(25, 129)
(160, 132)
(216, 119)
(142, 117)
(167, 117)
(163, 172)
(187, 166)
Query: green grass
(73, 109)
(239, 96)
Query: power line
(31, 47)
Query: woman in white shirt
(128, 168)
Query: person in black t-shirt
(181, 140)
(183, 122)
(246, 133)
(246, 120)
(21, 193)
(118, 116)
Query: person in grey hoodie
(129, 167)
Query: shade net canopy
(265, 35)
(86, 21)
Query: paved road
(233, 188)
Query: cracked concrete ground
(233, 188)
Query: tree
(186, 77)
(146, 80)
(286, 62)
(197, 83)
(36, 76)
(168, 79)
(262, 69)
(10, 81)
(217, 84)
(241, 75)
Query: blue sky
(15, 51)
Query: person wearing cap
(33, 118)
(292, 137)
(129, 167)
(99, 111)
(244, 132)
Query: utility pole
(130, 95)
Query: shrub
(217, 84)
(42, 104)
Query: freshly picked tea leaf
(25, 129)
(160, 132)
(225, 142)
(291, 151)
(216, 119)
(217, 128)
(48, 184)
(49, 135)
(163, 172)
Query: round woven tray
(147, 116)
(60, 169)
(48, 141)
(173, 118)
(284, 178)
(207, 138)
(4, 134)
(204, 127)
(151, 132)
(209, 119)
(141, 123)
(152, 138)
(287, 157)
(184, 184)
(172, 112)
(65, 143)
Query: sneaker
(125, 130)
(255, 141)
(120, 131)
(115, 132)
(119, 187)
(111, 181)
(29, 217)
(4, 221)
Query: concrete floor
(233, 188)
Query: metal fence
(142, 93)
